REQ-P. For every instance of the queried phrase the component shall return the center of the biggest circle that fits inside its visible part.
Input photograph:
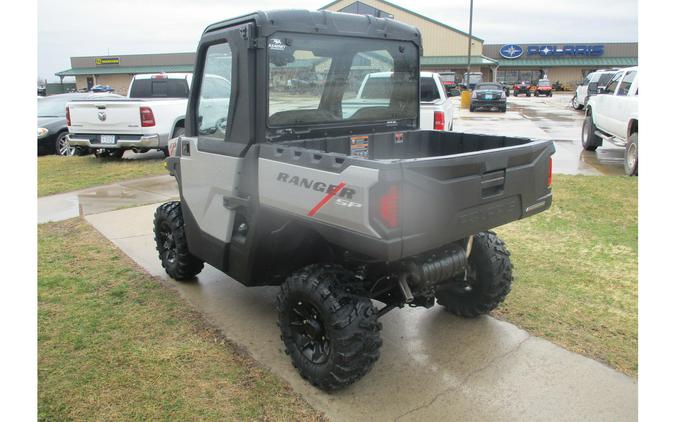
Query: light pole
(468, 66)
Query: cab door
(209, 176)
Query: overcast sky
(98, 27)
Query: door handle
(185, 148)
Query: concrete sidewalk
(131, 193)
(433, 366)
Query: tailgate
(111, 117)
(448, 198)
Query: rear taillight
(147, 118)
(68, 116)
(550, 171)
(439, 120)
(388, 207)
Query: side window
(214, 94)
(428, 90)
(611, 86)
(626, 83)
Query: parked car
(471, 79)
(612, 116)
(436, 108)
(449, 80)
(522, 87)
(52, 131)
(582, 93)
(352, 216)
(153, 112)
(102, 88)
(543, 88)
(488, 95)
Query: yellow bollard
(465, 101)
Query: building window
(359, 8)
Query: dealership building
(444, 49)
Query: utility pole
(468, 66)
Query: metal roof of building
(456, 61)
(572, 62)
(115, 70)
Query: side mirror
(593, 88)
(453, 92)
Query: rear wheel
(171, 243)
(331, 334)
(62, 145)
(630, 162)
(589, 140)
(487, 282)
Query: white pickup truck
(612, 116)
(436, 108)
(151, 114)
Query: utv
(335, 194)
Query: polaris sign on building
(564, 63)
(511, 51)
(567, 50)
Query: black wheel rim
(167, 242)
(309, 333)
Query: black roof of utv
(324, 22)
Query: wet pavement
(107, 198)
(545, 118)
(433, 366)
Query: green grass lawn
(115, 344)
(576, 269)
(63, 174)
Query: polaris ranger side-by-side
(353, 213)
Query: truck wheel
(331, 334)
(488, 281)
(172, 244)
(589, 140)
(62, 146)
(575, 103)
(630, 162)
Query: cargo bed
(450, 185)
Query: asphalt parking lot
(545, 118)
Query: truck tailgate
(109, 117)
(447, 198)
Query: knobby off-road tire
(489, 276)
(172, 244)
(331, 334)
(589, 140)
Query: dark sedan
(52, 131)
(488, 95)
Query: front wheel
(575, 103)
(171, 243)
(589, 140)
(487, 281)
(630, 162)
(331, 334)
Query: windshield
(319, 79)
(159, 88)
(543, 83)
(488, 87)
(52, 106)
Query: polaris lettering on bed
(340, 190)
